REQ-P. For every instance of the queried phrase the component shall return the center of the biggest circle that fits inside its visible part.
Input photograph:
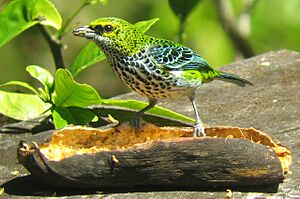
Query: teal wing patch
(173, 57)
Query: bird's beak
(84, 31)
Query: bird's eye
(98, 28)
(108, 28)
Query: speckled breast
(141, 74)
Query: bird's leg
(136, 120)
(198, 128)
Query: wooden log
(157, 156)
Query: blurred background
(222, 31)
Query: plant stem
(181, 30)
(54, 42)
(55, 46)
(68, 20)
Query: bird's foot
(199, 130)
(136, 123)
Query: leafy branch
(54, 40)
(61, 97)
(183, 8)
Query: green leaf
(45, 95)
(41, 74)
(21, 106)
(60, 117)
(63, 116)
(137, 105)
(70, 93)
(19, 83)
(20, 15)
(81, 116)
(182, 7)
(143, 26)
(92, 54)
(88, 56)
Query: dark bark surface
(194, 163)
(272, 105)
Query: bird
(153, 67)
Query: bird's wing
(174, 57)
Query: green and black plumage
(153, 67)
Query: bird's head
(111, 34)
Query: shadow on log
(165, 157)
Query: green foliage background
(274, 24)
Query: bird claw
(199, 130)
(136, 123)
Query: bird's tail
(233, 79)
